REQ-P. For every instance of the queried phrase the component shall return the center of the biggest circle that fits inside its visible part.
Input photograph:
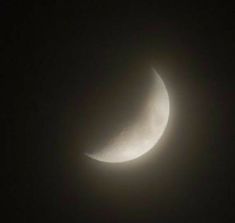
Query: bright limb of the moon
(137, 139)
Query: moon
(137, 139)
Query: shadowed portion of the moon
(109, 104)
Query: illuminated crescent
(137, 139)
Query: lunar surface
(141, 136)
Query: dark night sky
(56, 56)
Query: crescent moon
(137, 139)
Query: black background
(56, 52)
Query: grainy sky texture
(57, 59)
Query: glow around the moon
(137, 139)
